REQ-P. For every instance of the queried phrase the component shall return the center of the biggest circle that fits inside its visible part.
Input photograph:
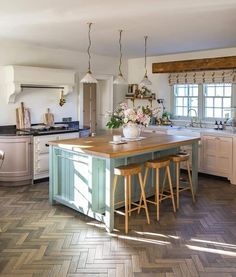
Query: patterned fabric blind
(201, 77)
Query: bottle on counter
(221, 127)
(216, 126)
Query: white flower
(126, 120)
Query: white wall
(24, 54)
(160, 81)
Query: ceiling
(173, 26)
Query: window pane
(209, 90)
(209, 112)
(226, 114)
(209, 102)
(218, 113)
(185, 111)
(181, 91)
(195, 90)
(194, 102)
(185, 101)
(179, 111)
(179, 101)
(218, 102)
(220, 91)
(228, 91)
(227, 102)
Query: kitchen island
(81, 170)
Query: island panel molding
(195, 65)
(82, 171)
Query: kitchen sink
(184, 132)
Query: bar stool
(177, 159)
(157, 164)
(128, 171)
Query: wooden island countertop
(99, 145)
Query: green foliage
(114, 122)
(166, 114)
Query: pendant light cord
(145, 51)
(89, 46)
(120, 52)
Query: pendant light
(88, 78)
(120, 80)
(145, 81)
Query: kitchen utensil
(48, 118)
(23, 120)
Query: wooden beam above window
(195, 65)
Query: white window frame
(201, 104)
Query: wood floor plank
(40, 240)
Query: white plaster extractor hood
(15, 78)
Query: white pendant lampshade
(145, 81)
(88, 78)
(120, 80)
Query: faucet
(194, 119)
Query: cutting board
(23, 120)
(48, 118)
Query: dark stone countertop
(10, 130)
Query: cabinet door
(210, 148)
(224, 156)
(17, 165)
(217, 155)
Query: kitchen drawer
(69, 135)
(40, 143)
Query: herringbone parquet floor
(37, 239)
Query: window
(186, 98)
(217, 100)
(207, 101)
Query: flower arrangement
(124, 115)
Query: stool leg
(114, 189)
(143, 196)
(177, 184)
(157, 194)
(144, 184)
(126, 203)
(171, 188)
(163, 184)
(129, 195)
(190, 180)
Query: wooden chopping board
(23, 120)
(48, 118)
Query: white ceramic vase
(131, 131)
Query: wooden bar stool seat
(157, 164)
(177, 159)
(128, 171)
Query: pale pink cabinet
(17, 165)
(217, 155)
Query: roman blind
(201, 77)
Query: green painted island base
(85, 183)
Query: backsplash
(38, 102)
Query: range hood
(15, 78)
